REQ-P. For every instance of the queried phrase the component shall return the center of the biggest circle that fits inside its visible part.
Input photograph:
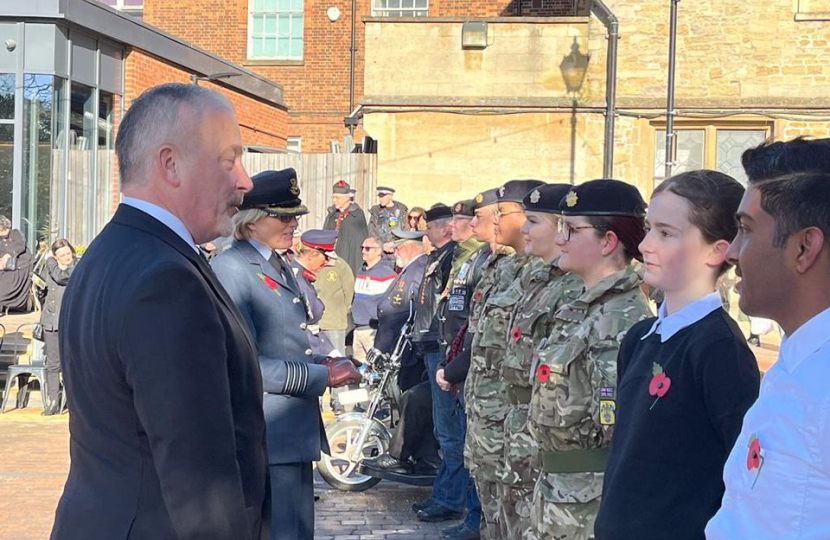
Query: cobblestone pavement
(34, 460)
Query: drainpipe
(671, 146)
(612, 25)
(353, 52)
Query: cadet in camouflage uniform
(572, 407)
(485, 394)
(543, 287)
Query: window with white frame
(400, 8)
(275, 29)
(132, 7)
(294, 145)
(713, 146)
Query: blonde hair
(241, 230)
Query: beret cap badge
(535, 196)
(479, 198)
(571, 199)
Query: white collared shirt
(788, 496)
(165, 216)
(668, 325)
(263, 250)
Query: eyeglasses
(566, 230)
(415, 217)
(282, 217)
(368, 248)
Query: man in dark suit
(167, 429)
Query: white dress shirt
(788, 497)
(668, 325)
(165, 216)
(263, 250)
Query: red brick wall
(316, 90)
(262, 123)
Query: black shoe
(425, 467)
(420, 505)
(436, 512)
(463, 533)
(388, 463)
(51, 410)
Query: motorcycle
(356, 436)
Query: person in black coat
(167, 435)
(58, 270)
(15, 269)
(348, 219)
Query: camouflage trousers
(517, 473)
(564, 514)
(488, 494)
(514, 511)
(486, 410)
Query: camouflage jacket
(543, 289)
(577, 363)
(575, 377)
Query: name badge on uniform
(607, 406)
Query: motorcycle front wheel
(343, 433)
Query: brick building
(68, 69)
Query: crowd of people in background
(544, 390)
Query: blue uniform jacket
(393, 309)
(272, 305)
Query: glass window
(295, 145)
(690, 150)
(81, 163)
(6, 96)
(275, 29)
(6, 168)
(61, 131)
(103, 190)
(38, 123)
(400, 8)
(731, 144)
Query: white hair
(243, 218)
(154, 117)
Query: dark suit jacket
(291, 374)
(167, 431)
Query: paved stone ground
(34, 461)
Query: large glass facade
(107, 107)
(80, 178)
(7, 99)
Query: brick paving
(34, 460)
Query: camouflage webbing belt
(519, 394)
(573, 461)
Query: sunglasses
(415, 217)
(282, 217)
(368, 248)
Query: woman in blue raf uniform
(264, 289)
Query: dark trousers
(413, 437)
(292, 502)
(53, 364)
(450, 487)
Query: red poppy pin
(660, 383)
(270, 283)
(515, 334)
(754, 457)
(543, 373)
(477, 296)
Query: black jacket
(167, 428)
(393, 309)
(352, 230)
(435, 279)
(56, 280)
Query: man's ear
(167, 163)
(809, 244)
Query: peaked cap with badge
(546, 198)
(320, 239)
(604, 197)
(515, 190)
(276, 192)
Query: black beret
(438, 211)
(464, 208)
(277, 192)
(603, 198)
(486, 198)
(546, 198)
(341, 187)
(515, 190)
